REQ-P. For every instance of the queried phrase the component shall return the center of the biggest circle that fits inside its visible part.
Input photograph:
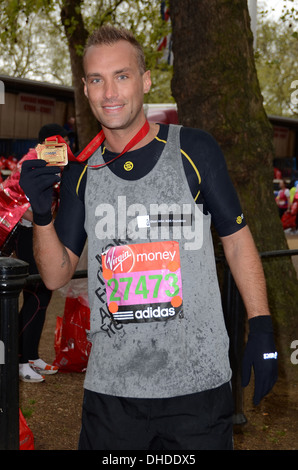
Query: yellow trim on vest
(191, 162)
(80, 179)
(160, 140)
(195, 168)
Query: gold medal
(53, 153)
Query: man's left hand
(260, 354)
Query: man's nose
(110, 89)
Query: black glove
(260, 353)
(37, 181)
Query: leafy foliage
(276, 59)
(34, 43)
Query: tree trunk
(216, 88)
(72, 20)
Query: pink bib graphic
(143, 281)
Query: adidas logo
(147, 315)
(154, 313)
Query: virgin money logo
(120, 259)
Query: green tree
(29, 45)
(277, 64)
(45, 40)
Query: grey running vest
(156, 325)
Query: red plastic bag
(71, 343)
(13, 202)
(288, 220)
(294, 207)
(26, 435)
(58, 334)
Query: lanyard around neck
(99, 139)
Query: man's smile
(112, 108)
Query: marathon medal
(53, 152)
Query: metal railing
(13, 277)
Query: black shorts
(200, 421)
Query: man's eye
(94, 81)
(122, 77)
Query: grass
(29, 409)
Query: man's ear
(147, 81)
(85, 87)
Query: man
(158, 373)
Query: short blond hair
(110, 35)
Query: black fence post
(234, 312)
(13, 274)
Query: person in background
(293, 191)
(36, 296)
(283, 198)
(70, 126)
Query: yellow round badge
(128, 166)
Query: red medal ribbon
(98, 140)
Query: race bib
(143, 281)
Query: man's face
(114, 85)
